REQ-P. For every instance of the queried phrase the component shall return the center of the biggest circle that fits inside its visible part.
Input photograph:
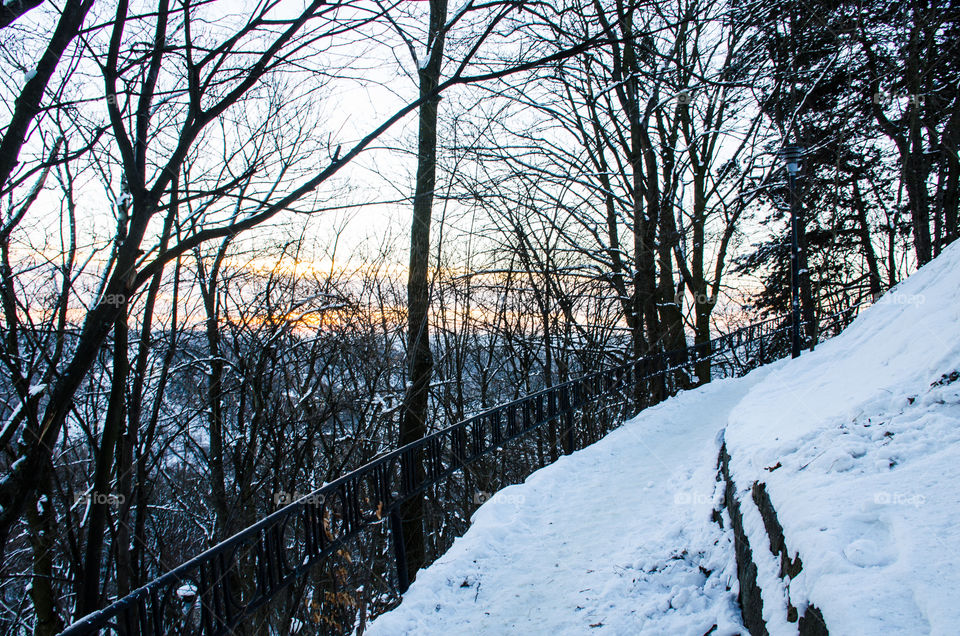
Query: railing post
(663, 365)
(761, 355)
(399, 551)
(569, 437)
(639, 382)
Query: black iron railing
(232, 582)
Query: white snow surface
(859, 445)
(614, 539)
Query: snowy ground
(859, 445)
(614, 539)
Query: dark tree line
(869, 90)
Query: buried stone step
(811, 623)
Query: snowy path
(615, 539)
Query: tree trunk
(43, 535)
(863, 229)
(413, 426)
(218, 480)
(89, 592)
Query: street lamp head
(792, 155)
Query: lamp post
(792, 156)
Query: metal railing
(232, 582)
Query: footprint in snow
(871, 544)
(866, 553)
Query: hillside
(858, 444)
(851, 451)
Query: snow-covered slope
(614, 539)
(859, 446)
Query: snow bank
(859, 446)
(614, 539)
